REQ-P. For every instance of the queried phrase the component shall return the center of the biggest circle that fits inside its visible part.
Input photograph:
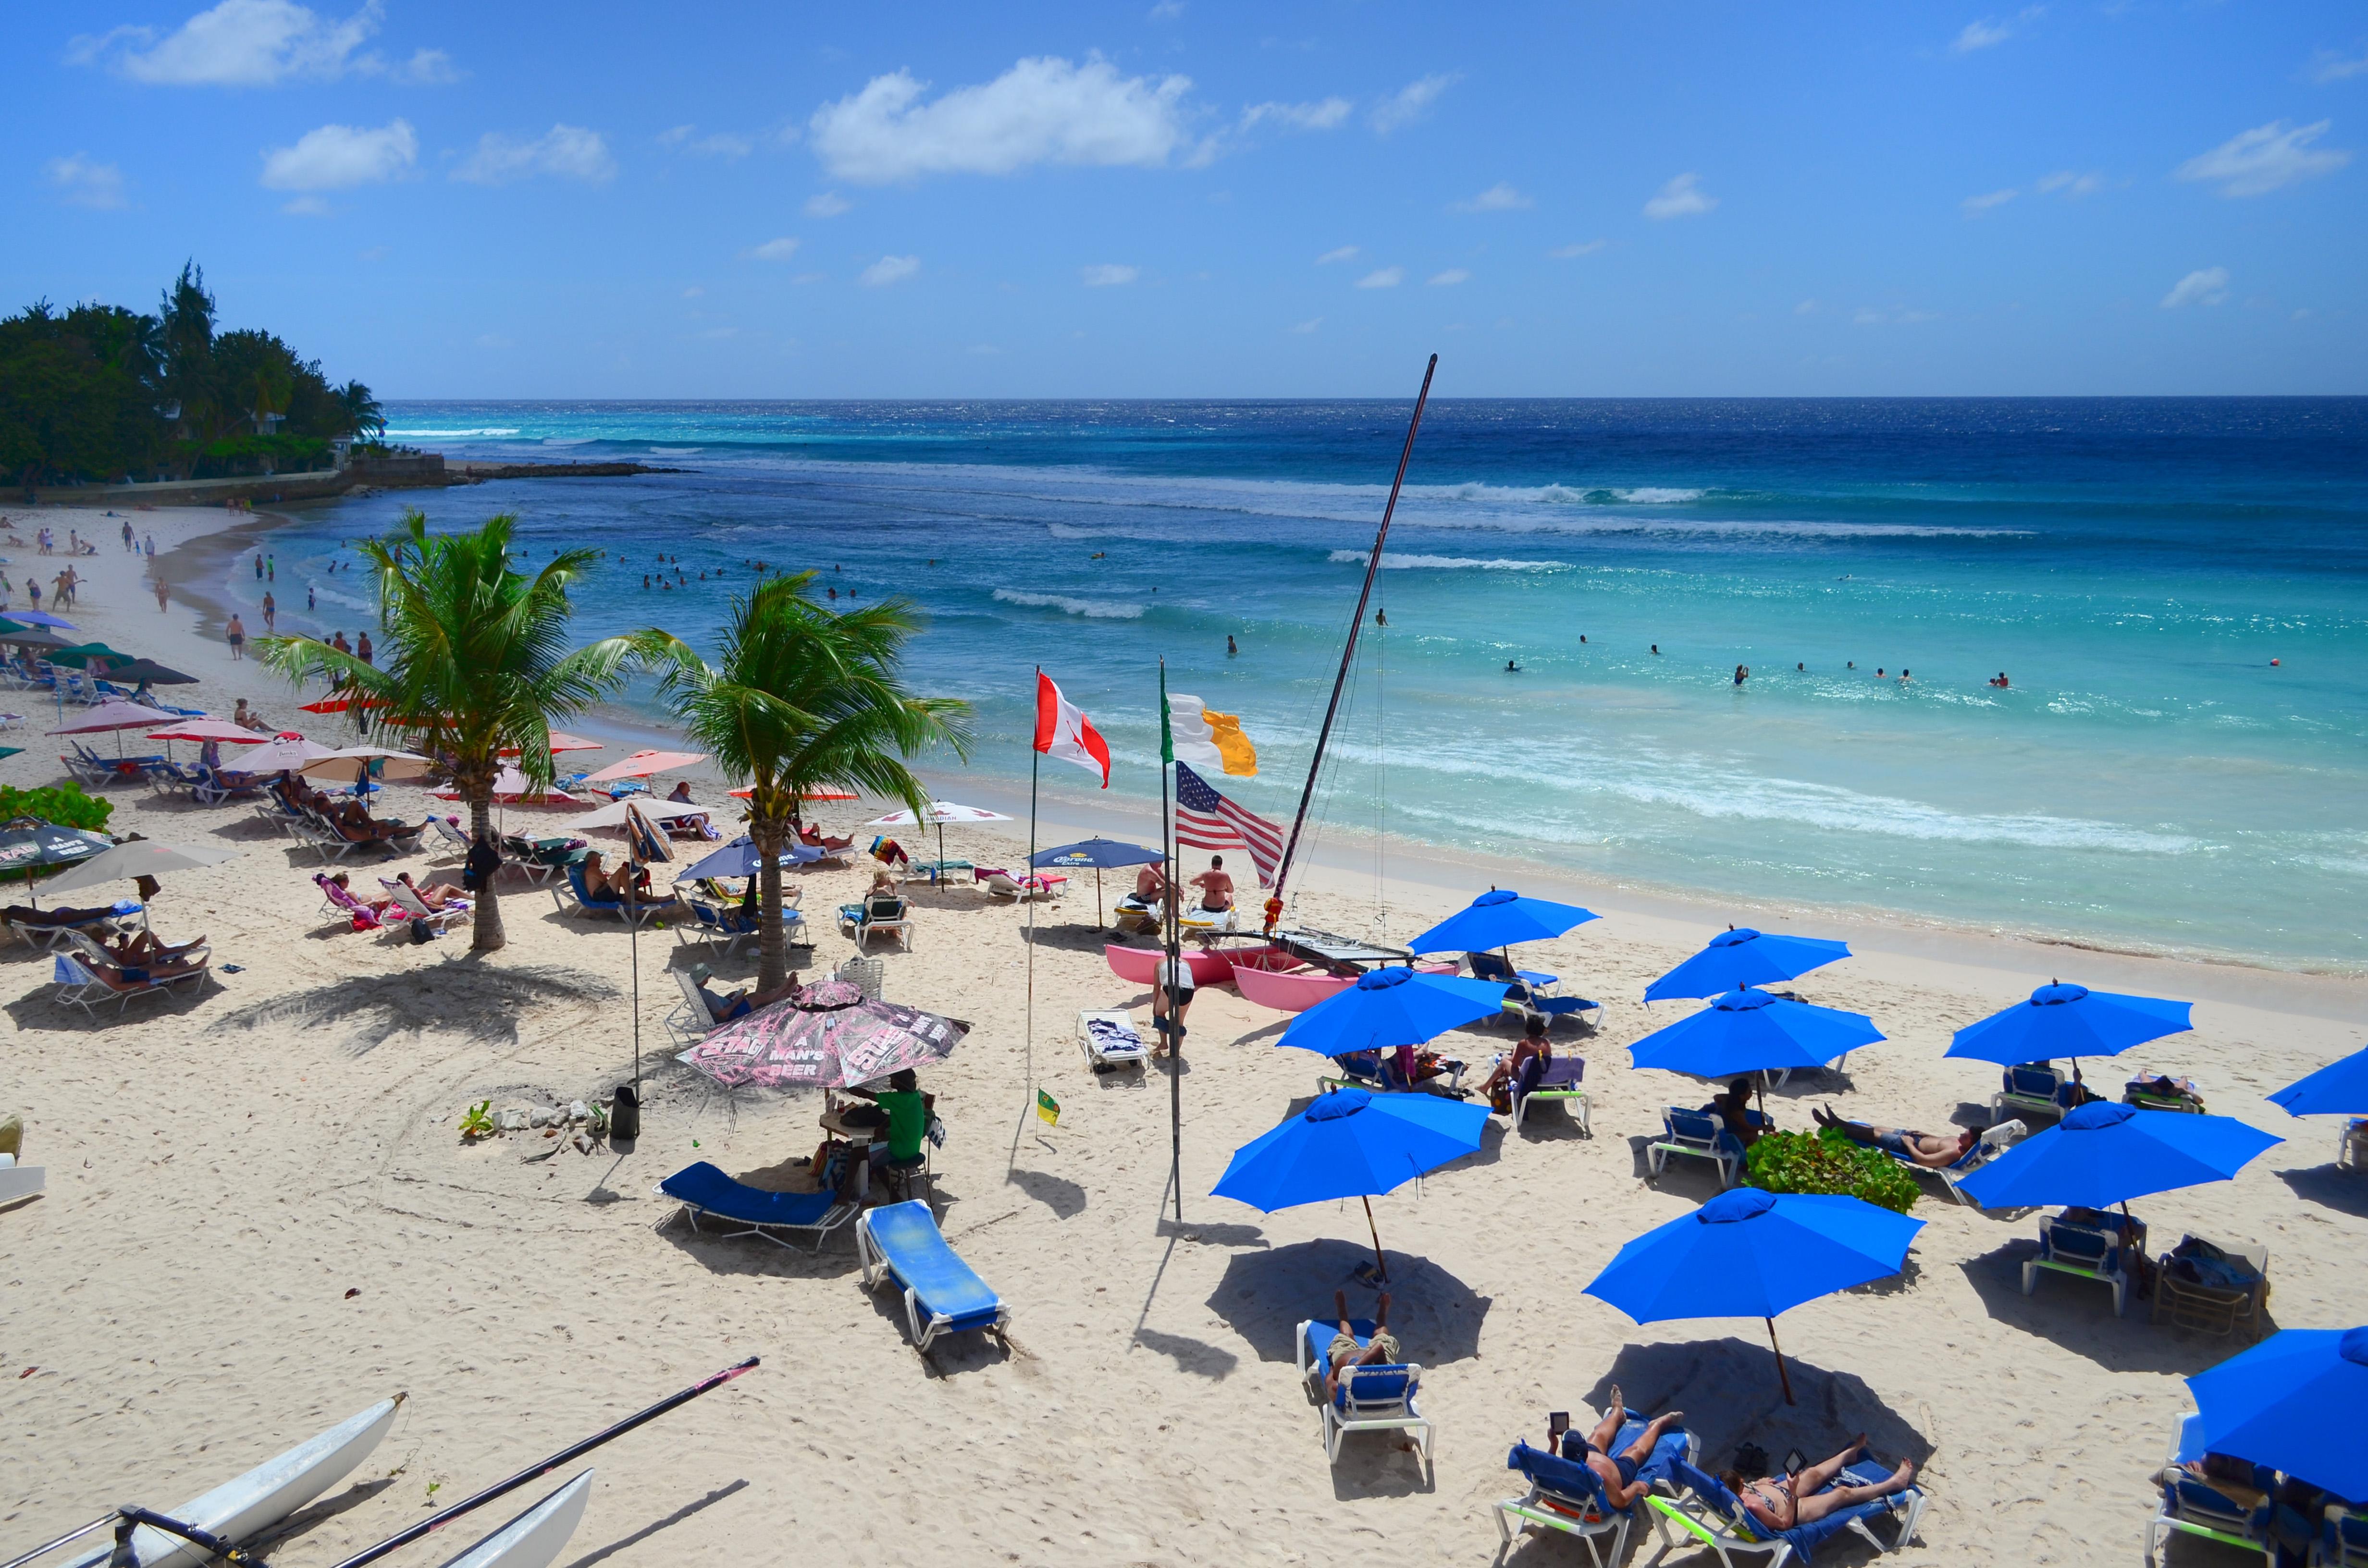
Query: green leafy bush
(64, 804)
(1830, 1162)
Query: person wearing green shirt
(908, 1118)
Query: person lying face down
(1933, 1150)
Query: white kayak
(535, 1538)
(240, 1510)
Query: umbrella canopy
(148, 672)
(31, 636)
(940, 814)
(739, 859)
(40, 618)
(1352, 1144)
(139, 857)
(642, 764)
(509, 784)
(2068, 1020)
(2292, 1403)
(1498, 918)
(1745, 956)
(284, 753)
(1745, 1030)
(338, 704)
(2104, 1154)
(612, 815)
(1095, 854)
(1390, 1007)
(352, 762)
(2340, 1088)
(1753, 1253)
(27, 841)
(561, 741)
(82, 656)
(115, 713)
(203, 730)
(827, 1038)
(745, 791)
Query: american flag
(1206, 820)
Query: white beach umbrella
(139, 857)
(612, 815)
(282, 755)
(353, 761)
(940, 814)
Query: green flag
(1048, 1108)
(1167, 733)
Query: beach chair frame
(80, 987)
(1103, 1058)
(877, 1265)
(1591, 1517)
(2020, 1089)
(2189, 1505)
(2342, 1538)
(1564, 1087)
(2208, 1308)
(2064, 1248)
(690, 1021)
(1719, 1145)
(415, 908)
(2351, 1144)
(1995, 1141)
(690, 1211)
(1388, 1406)
(1708, 1527)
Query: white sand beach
(260, 1217)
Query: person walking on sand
(270, 614)
(164, 596)
(128, 544)
(258, 567)
(33, 591)
(235, 632)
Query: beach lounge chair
(360, 915)
(82, 984)
(1705, 1514)
(94, 956)
(2343, 1537)
(867, 975)
(704, 1190)
(1993, 1141)
(573, 891)
(2193, 1505)
(48, 928)
(724, 924)
(1529, 990)
(450, 836)
(942, 1295)
(20, 1182)
(540, 860)
(1559, 1082)
(2212, 1286)
(1566, 1496)
(2351, 1145)
(2149, 1092)
(885, 913)
(692, 1020)
(2085, 1244)
(1700, 1134)
(1379, 1398)
(1110, 1040)
(407, 899)
(2033, 1089)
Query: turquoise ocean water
(2148, 780)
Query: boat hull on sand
(1210, 966)
(536, 1537)
(240, 1510)
(1282, 982)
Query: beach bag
(1501, 1100)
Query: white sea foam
(1394, 563)
(1092, 609)
(450, 435)
(569, 440)
(675, 451)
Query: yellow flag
(1225, 730)
(1048, 1108)
(1210, 740)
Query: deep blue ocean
(2149, 778)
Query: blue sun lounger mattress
(915, 1253)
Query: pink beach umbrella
(642, 764)
(221, 731)
(115, 713)
(828, 1036)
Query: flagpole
(1172, 944)
(1034, 761)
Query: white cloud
(1991, 32)
(890, 269)
(827, 204)
(238, 43)
(1326, 114)
(1572, 253)
(1450, 277)
(1167, 10)
(1498, 198)
(1870, 315)
(2255, 162)
(1042, 110)
(568, 151)
(1975, 206)
(774, 250)
(1385, 278)
(693, 292)
(337, 157)
(718, 144)
(1806, 308)
(1681, 197)
(2330, 66)
(306, 207)
(1108, 275)
(1310, 325)
(427, 68)
(2071, 186)
(85, 183)
(1346, 253)
(1410, 102)
(2206, 286)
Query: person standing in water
(1230, 649)
(1742, 673)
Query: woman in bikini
(1787, 1501)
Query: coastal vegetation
(104, 393)
(1827, 1161)
(475, 664)
(805, 697)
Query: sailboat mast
(1348, 653)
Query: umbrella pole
(1380, 1263)
(1782, 1375)
(1098, 895)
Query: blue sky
(1191, 199)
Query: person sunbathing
(25, 915)
(142, 947)
(1734, 1111)
(1617, 1473)
(814, 838)
(436, 896)
(1526, 1065)
(1931, 1149)
(1783, 1503)
(734, 1004)
(1344, 1351)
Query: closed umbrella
(2068, 1020)
(138, 858)
(1350, 1143)
(2292, 1403)
(828, 1036)
(1745, 1030)
(1101, 854)
(1745, 956)
(1390, 1007)
(2103, 1153)
(1752, 1253)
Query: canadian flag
(1063, 731)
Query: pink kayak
(1209, 966)
(1278, 980)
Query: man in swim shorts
(1617, 1471)
(1216, 887)
(1344, 1351)
(1931, 1149)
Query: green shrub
(64, 804)
(1830, 1162)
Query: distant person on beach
(129, 544)
(1801, 666)
(1905, 675)
(1742, 673)
(1171, 979)
(1216, 887)
(681, 792)
(1933, 1150)
(1582, 637)
(150, 547)
(1849, 664)
(33, 591)
(1150, 882)
(337, 641)
(362, 651)
(237, 634)
(1878, 672)
(270, 614)
(271, 570)
(310, 602)
(258, 567)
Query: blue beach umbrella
(1390, 1007)
(1745, 956)
(1753, 1253)
(1498, 918)
(2104, 1154)
(40, 618)
(2068, 1020)
(2340, 1088)
(1352, 1144)
(2292, 1403)
(739, 859)
(1745, 1030)
(1101, 855)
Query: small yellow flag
(1048, 1108)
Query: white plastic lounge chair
(79, 986)
(1559, 1082)
(867, 975)
(883, 912)
(406, 898)
(1993, 1141)
(2084, 1250)
(2192, 1505)
(111, 921)
(452, 837)
(1378, 1398)
(702, 1189)
(692, 1020)
(18, 1182)
(1705, 1514)
(1700, 1134)
(1110, 1040)
(942, 1295)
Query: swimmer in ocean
(1801, 666)
(1656, 647)
(1230, 649)
(1742, 673)
(1381, 617)
(1511, 668)
(1905, 675)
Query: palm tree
(360, 412)
(476, 662)
(805, 697)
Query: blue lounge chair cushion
(1804, 1538)
(705, 1187)
(1565, 1478)
(907, 1236)
(1319, 1338)
(583, 894)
